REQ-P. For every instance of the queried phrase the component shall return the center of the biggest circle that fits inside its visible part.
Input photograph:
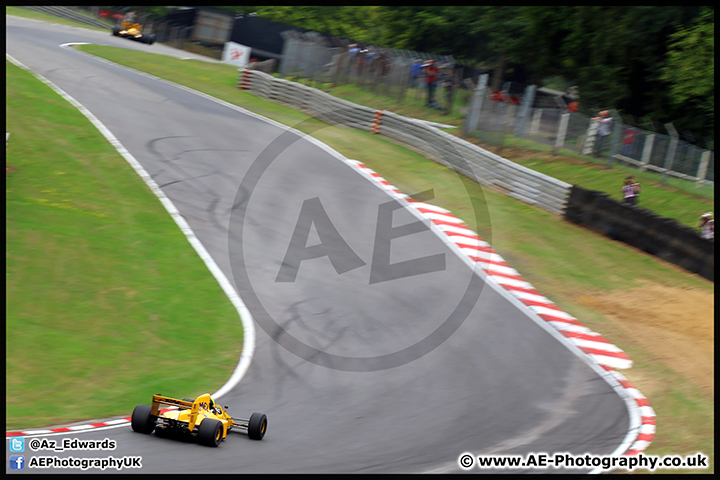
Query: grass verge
(25, 13)
(107, 302)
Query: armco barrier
(70, 14)
(642, 229)
(475, 162)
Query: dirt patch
(674, 324)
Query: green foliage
(347, 21)
(690, 67)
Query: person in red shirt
(431, 78)
(629, 135)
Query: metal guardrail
(477, 163)
(69, 14)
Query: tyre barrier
(640, 228)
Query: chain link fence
(170, 34)
(494, 115)
(383, 71)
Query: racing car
(199, 419)
(133, 31)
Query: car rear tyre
(116, 31)
(142, 421)
(150, 39)
(210, 432)
(257, 426)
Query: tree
(345, 21)
(617, 55)
(690, 68)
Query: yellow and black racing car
(200, 419)
(133, 31)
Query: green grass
(25, 13)
(412, 104)
(107, 302)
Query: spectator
(603, 131)
(384, 63)
(450, 83)
(630, 191)
(638, 189)
(707, 226)
(352, 54)
(415, 72)
(431, 77)
(370, 59)
(362, 54)
(629, 135)
(573, 106)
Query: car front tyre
(257, 426)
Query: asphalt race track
(378, 349)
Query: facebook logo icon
(17, 462)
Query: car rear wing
(129, 25)
(194, 407)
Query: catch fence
(493, 115)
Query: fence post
(535, 124)
(670, 157)
(473, 116)
(589, 143)
(647, 151)
(562, 132)
(703, 168)
(525, 107)
(614, 146)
